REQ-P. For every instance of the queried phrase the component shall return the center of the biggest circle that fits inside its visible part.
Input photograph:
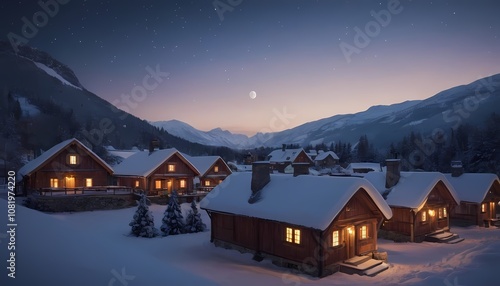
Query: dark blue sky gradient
(287, 51)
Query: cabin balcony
(95, 190)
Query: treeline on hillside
(477, 147)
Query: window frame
(171, 168)
(54, 183)
(87, 182)
(363, 232)
(423, 217)
(216, 169)
(293, 235)
(336, 242)
(182, 184)
(73, 159)
(156, 184)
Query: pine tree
(143, 223)
(193, 220)
(173, 221)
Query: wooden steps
(443, 237)
(363, 265)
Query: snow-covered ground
(94, 248)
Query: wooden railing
(97, 190)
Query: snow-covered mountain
(214, 137)
(383, 124)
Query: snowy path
(93, 248)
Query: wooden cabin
(326, 159)
(213, 170)
(479, 196)
(69, 165)
(157, 172)
(282, 158)
(305, 222)
(420, 201)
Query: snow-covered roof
(364, 165)
(288, 155)
(323, 155)
(143, 163)
(204, 163)
(38, 162)
(412, 189)
(240, 168)
(122, 153)
(309, 201)
(473, 187)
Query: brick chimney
(300, 169)
(457, 169)
(260, 177)
(393, 173)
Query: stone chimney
(393, 173)
(457, 169)
(300, 169)
(260, 177)
(283, 147)
(154, 144)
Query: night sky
(289, 52)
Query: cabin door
(492, 210)
(349, 241)
(70, 182)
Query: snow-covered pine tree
(173, 221)
(193, 220)
(143, 223)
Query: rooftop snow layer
(143, 163)
(412, 189)
(35, 163)
(473, 187)
(291, 199)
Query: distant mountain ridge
(383, 124)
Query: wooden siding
(214, 177)
(408, 223)
(471, 212)
(59, 167)
(315, 248)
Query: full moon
(252, 94)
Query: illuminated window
(483, 208)
(183, 183)
(207, 183)
(445, 213)
(335, 240)
(136, 183)
(157, 184)
(72, 159)
(440, 213)
(54, 183)
(289, 234)
(169, 185)
(88, 182)
(296, 236)
(424, 216)
(292, 235)
(216, 169)
(364, 232)
(171, 167)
